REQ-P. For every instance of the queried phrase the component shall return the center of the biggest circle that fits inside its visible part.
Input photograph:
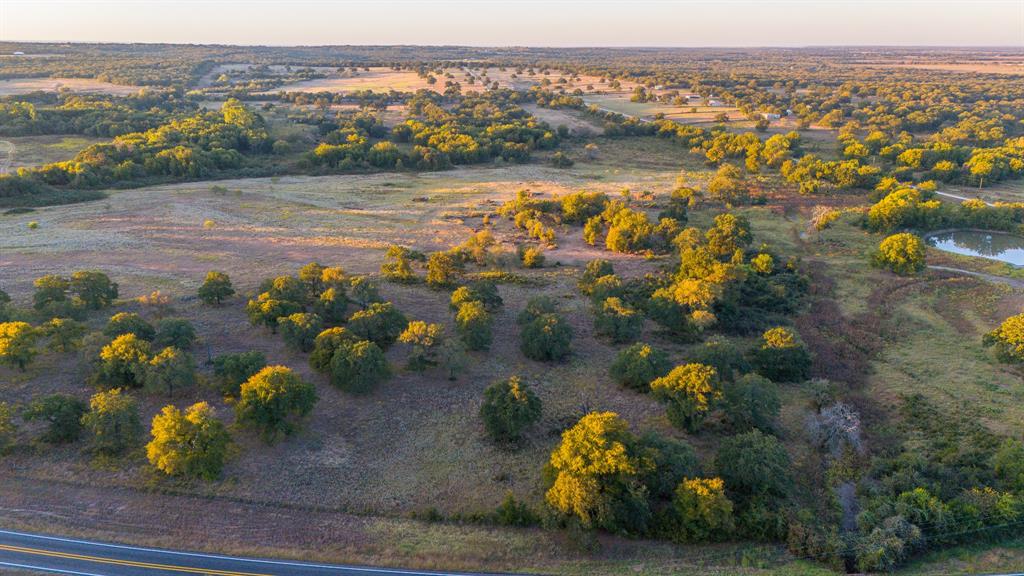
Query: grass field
(38, 150)
(17, 86)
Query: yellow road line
(132, 563)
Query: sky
(521, 22)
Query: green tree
(754, 464)
(618, 321)
(380, 323)
(65, 334)
(129, 323)
(704, 511)
(509, 407)
(545, 336)
(595, 269)
(63, 415)
(424, 339)
(332, 305)
(18, 344)
(639, 365)
(50, 289)
(170, 371)
(474, 325)
(176, 332)
(690, 391)
(900, 253)
(113, 422)
(273, 400)
(595, 474)
(312, 277)
(192, 444)
(1008, 464)
(216, 288)
(94, 289)
(452, 355)
(358, 366)
(122, 363)
(299, 330)
(232, 370)
(326, 344)
(364, 291)
(752, 401)
(782, 357)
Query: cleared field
(1014, 68)
(38, 150)
(568, 118)
(17, 86)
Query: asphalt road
(35, 552)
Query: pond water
(1000, 246)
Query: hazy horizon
(527, 23)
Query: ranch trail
(1012, 282)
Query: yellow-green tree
(170, 371)
(17, 344)
(689, 391)
(112, 421)
(901, 253)
(595, 474)
(703, 510)
(273, 400)
(215, 288)
(424, 339)
(122, 363)
(193, 443)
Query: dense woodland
(922, 481)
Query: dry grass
(32, 151)
(16, 86)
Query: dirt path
(1012, 282)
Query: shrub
(192, 444)
(782, 357)
(216, 288)
(364, 291)
(1008, 464)
(94, 289)
(65, 334)
(112, 422)
(900, 253)
(1008, 339)
(546, 338)
(703, 510)
(122, 363)
(474, 325)
(63, 415)
(595, 269)
(690, 391)
(640, 364)
(509, 407)
(618, 321)
(728, 360)
(424, 339)
(287, 288)
(273, 400)
(380, 323)
(531, 256)
(170, 371)
(396, 266)
(176, 332)
(754, 464)
(536, 307)
(299, 330)
(453, 356)
(8, 429)
(17, 344)
(752, 401)
(129, 323)
(232, 370)
(358, 366)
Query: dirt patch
(16, 86)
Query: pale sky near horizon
(520, 22)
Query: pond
(1000, 246)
